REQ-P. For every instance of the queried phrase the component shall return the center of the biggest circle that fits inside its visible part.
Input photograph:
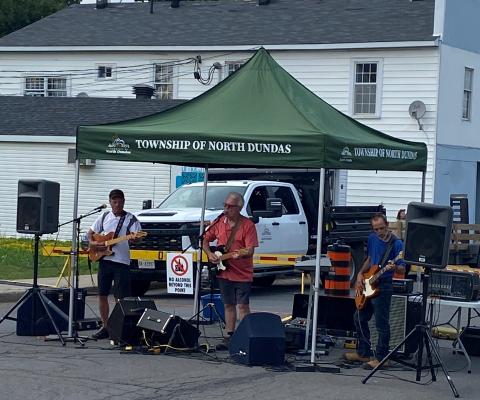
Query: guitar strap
(232, 235)
(388, 250)
(119, 225)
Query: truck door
(287, 234)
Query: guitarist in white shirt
(379, 243)
(113, 267)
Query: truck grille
(163, 236)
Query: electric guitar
(370, 280)
(107, 240)
(219, 252)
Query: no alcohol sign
(180, 273)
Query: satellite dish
(417, 109)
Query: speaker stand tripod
(422, 332)
(37, 297)
(210, 306)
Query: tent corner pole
(73, 254)
(424, 182)
(196, 307)
(317, 265)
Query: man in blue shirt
(378, 243)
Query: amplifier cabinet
(454, 285)
(404, 315)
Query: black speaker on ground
(427, 238)
(37, 207)
(32, 319)
(122, 323)
(167, 329)
(259, 340)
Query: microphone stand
(72, 334)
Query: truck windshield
(192, 197)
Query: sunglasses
(225, 205)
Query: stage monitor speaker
(169, 329)
(427, 239)
(37, 207)
(122, 323)
(259, 340)
(32, 319)
(404, 315)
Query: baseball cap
(116, 193)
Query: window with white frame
(467, 94)
(106, 71)
(46, 86)
(365, 88)
(232, 66)
(163, 81)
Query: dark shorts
(234, 293)
(108, 272)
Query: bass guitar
(219, 252)
(370, 281)
(106, 241)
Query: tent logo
(118, 146)
(346, 155)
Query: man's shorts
(234, 293)
(109, 271)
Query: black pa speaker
(168, 329)
(259, 340)
(427, 237)
(122, 323)
(37, 207)
(32, 319)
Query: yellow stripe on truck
(267, 259)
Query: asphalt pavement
(34, 368)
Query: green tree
(15, 14)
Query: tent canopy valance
(259, 116)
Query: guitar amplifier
(454, 285)
(402, 286)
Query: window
(258, 199)
(232, 66)
(365, 90)
(106, 71)
(163, 81)
(467, 94)
(53, 86)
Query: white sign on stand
(180, 273)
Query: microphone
(101, 207)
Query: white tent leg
(317, 264)
(199, 255)
(73, 255)
(424, 179)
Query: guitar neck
(118, 239)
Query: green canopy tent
(259, 116)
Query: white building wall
(408, 75)
(23, 160)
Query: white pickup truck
(174, 226)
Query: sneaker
(102, 333)
(372, 364)
(223, 345)
(354, 356)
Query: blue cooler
(216, 299)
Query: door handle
(275, 223)
(302, 222)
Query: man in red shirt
(236, 281)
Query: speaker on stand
(37, 213)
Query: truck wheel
(358, 256)
(139, 287)
(264, 281)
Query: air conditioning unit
(87, 162)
